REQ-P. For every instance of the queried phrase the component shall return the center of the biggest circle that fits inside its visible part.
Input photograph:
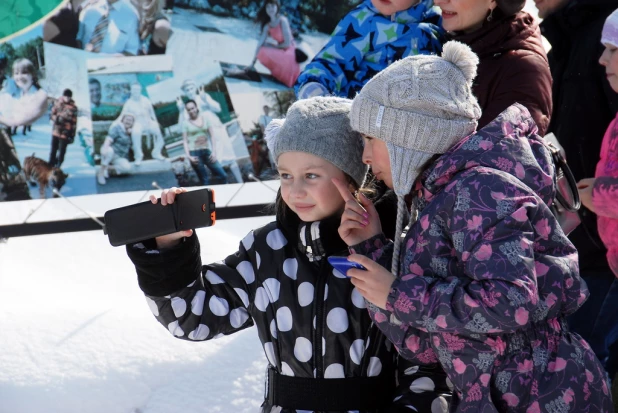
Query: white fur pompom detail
(463, 57)
(271, 131)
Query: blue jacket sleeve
(328, 66)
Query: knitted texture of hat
(319, 126)
(610, 30)
(420, 106)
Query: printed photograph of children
(111, 27)
(128, 140)
(38, 124)
(203, 137)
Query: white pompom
(272, 130)
(463, 57)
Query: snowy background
(77, 335)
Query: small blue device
(342, 264)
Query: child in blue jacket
(367, 40)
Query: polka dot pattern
(247, 241)
(273, 328)
(305, 294)
(286, 370)
(197, 304)
(245, 269)
(422, 384)
(238, 317)
(213, 278)
(284, 319)
(357, 349)
(302, 350)
(276, 240)
(218, 306)
(338, 274)
(290, 267)
(334, 371)
(358, 300)
(270, 353)
(261, 299)
(244, 297)
(179, 306)
(200, 333)
(375, 367)
(272, 286)
(153, 306)
(175, 329)
(337, 320)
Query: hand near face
(585, 187)
(374, 283)
(359, 221)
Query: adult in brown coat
(513, 63)
(64, 118)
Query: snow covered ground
(78, 336)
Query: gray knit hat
(319, 126)
(420, 106)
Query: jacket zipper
(319, 321)
(319, 304)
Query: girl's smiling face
(306, 185)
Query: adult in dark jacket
(313, 323)
(513, 64)
(64, 117)
(584, 105)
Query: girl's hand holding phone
(171, 240)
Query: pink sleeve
(605, 191)
(605, 196)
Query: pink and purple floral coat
(487, 278)
(605, 194)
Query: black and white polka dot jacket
(311, 320)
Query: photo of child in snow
(38, 122)
(257, 40)
(255, 111)
(128, 139)
(203, 137)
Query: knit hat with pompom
(420, 106)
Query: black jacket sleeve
(192, 301)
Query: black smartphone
(145, 220)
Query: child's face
(389, 7)
(609, 59)
(23, 79)
(306, 185)
(375, 155)
(464, 15)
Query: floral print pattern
(487, 277)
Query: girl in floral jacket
(484, 277)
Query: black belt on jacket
(353, 393)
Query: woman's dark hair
(510, 7)
(280, 208)
(262, 17)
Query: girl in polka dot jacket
(324, 352)
(485, 277)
